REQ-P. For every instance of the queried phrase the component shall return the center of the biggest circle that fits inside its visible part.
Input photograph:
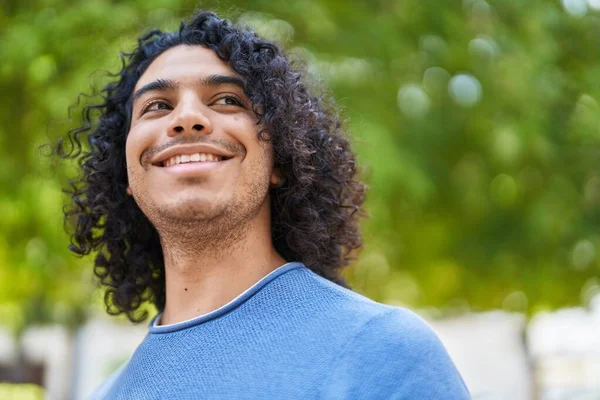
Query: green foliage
(477, 127)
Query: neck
(206, 271)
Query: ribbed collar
(243, 297)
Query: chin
(192, 210)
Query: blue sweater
(292, 335)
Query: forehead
(182, 63)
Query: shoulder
(360, 317)
(395, 354)
(383, 351)
(360, 314)
(399, 328)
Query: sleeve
(395, 355)
(103, 390)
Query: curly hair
(314, 214)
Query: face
(193, 152)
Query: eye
(228, 101)
(156, 105)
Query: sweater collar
(236, 302)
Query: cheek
(130, 165)
(244, 130)
(137, 141)
(129, 150)
(130, 158)
(265, 146)
(133, 151)
(260, 165)
(267, 151)
(261, 152)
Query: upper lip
(164, 155)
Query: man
(218, 188)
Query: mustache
(231, 147)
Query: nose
(190, 117)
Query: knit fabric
(292, 335)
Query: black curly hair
(314, 214)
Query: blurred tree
(476, 123)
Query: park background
(477, 128)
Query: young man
(217, 187)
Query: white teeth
(186, 158)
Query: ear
(128, 191)
(277, 180)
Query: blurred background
(477, 127)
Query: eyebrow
(165, 85)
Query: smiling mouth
(191, 158)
